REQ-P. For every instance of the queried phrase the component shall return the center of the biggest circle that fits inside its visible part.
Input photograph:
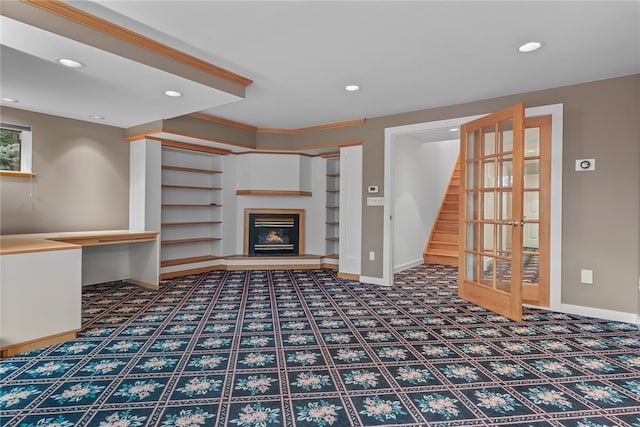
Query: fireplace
(274, 232)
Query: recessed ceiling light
(96, 117)
(71, 63)
(173, 93)
(454, 130)
(351, 88)
(9, 100)
(530, 47)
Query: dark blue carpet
(304, 348)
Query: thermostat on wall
(372, 189)
(585, 165)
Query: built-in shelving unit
(332, 207)
(191, 221)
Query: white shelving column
(144, 210)
(191, 227)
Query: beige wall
(81, 182)
(601, 210)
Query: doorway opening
(393, 135)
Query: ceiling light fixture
(173, 93)
(530, 47)
(454, 130)
(96, 117)
(71, 63)
(9, 100)
(351, 88)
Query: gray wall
(81, 182)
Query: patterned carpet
(304, 348)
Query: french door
(491, 211)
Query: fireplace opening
(273, 234)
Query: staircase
(442, 246)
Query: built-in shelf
(190, 187)
(332, 210)
(192, 213)
(190, 260)
(185, 169)
(173, 224)
(273, 193)
(189, 205)
(185, 241)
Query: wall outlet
(586, 277)
(372, 256)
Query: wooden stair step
(448, 246)
(446, 226)
(439, 236)
(448, 216)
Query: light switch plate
(375, 201)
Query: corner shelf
(332, 224)
(191, 222)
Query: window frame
(26, 145)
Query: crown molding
(245, 126)
(88, 20)
(227, 122)
(326, 126)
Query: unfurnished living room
(319, 213)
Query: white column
(350, 209)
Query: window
(15, 149)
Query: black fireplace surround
(272, 234)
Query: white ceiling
(300, 54)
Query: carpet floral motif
(308, 349)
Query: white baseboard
(599, 313)
(373, 280)
(408, 265)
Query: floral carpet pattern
(305, 348)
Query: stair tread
(441, 252)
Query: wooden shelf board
(332, 256)
(174, 205)
(333, 174)
(170, 224)
(190, 187)
(185, 169)
(332, 239)
(186, 241)
(333, 207)
(191, 260)
(273, 193)
(332, 223)
(333, 191)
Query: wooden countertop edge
(43, 242)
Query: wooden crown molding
(240, 125)
(326, 126)
(189, 146)
(78, 16)
(227, 122)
